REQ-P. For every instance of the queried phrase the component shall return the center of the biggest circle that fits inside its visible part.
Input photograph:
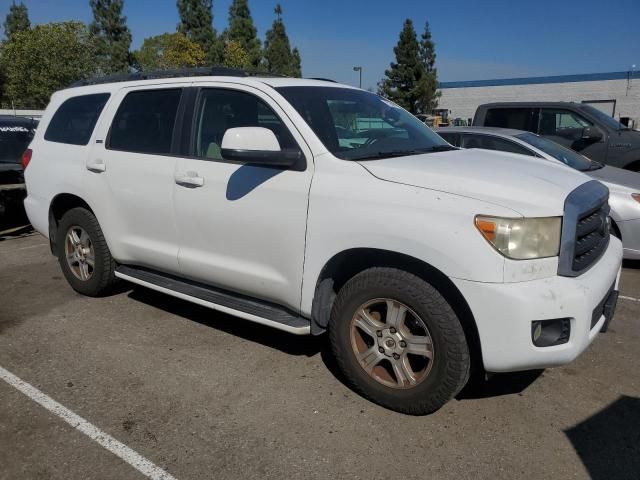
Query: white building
(617, 93)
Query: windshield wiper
(405, 153)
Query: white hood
(526, 185)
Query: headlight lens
(522, 238)
(636, 197)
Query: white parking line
(119, 449)
(629, 298)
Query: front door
(242, 227)
(566, 128)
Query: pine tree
(196, 22)
(296, 63)
(242, 30)
(112, 36)
(429, 84)
(278, 57)
(17, 19)
(405, 83)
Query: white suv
(311, 206)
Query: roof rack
(214, 71)
(322, 79)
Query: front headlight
(522, 238)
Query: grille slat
(592, 237)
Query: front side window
(144, 122)
(222, 109)
(490, 142)
(561, 122)
(452, 138)
(557, 151)
(357, 125)
(515, 118)
(75, 119)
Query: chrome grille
(585, 229)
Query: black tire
(102, 278)
(451, 361)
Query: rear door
(565, 127)
(242, 227)
(130, 176)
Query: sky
(475, 40)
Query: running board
(223, 301)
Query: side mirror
(256, 145)
(591, 134)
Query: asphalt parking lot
(205, 395)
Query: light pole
(359, 70)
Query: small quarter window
(75, 119)
(144, 122)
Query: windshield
(608, 120)
(566, 156)
(14, 140)
(357, 125)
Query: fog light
(547, 333)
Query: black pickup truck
(15, 135)
(578, 126)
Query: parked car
(15, 135)
(242, 194)
(577, 126)
(624, 186)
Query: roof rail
(214, 71)
(322, 79)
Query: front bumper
(504, 312)
(630, 232)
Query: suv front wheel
(398, 342)
(83, 253)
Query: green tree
(47, 58)
(235, 56)
(167, 51)
(196, 22)
(278, 57)
(296, 63)
(242, 30)
(112, 36)
(429, 83)
(17, 19)
(405, 81)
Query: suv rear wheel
(83, 253)
(398, 342)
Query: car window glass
(515, 118)
(452, 138)
(557, 122)
(489, 142)
(14, 140)
(221, 109)
(144, 122)
(75, 119)
(357, 125)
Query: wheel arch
(61, 204)
(348, 263)
(634, 166)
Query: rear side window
(144, 122)
(489, 142)
(516, 118)
(75, 119)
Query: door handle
(96, 166)
(189, 179)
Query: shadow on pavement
(499, 384)
(254, 332)
(608, 442)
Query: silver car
(623, 185)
